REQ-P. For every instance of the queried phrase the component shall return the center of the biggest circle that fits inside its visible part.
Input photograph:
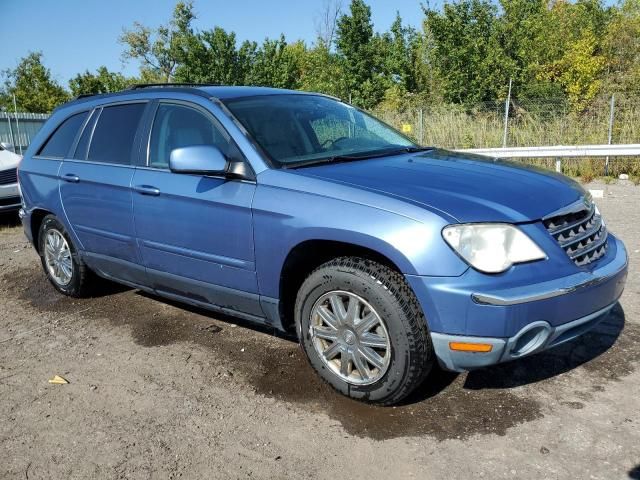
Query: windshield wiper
(353, 158)
(416, 149)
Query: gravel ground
(159, 390)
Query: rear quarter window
(59, 143)
(114, 134)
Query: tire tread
(420, 348)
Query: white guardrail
(559, 152)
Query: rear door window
(85, 137)
(60, 142)
(115, 133)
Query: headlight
(492, 247)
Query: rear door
(195, 232)
(95, 189)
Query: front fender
(286, 215)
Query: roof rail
(140, 86)
(83, 95)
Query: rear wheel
(363, 330)
(63, 266)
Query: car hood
(469, 188)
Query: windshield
(307, 129)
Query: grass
(534, 123)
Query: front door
(194, 232)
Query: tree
(275, 64)
(211, 57)
(323, 71)
(398, 53)
(326, 22)
(355, 44)
(524, 33)
(467, 51)
(161, 50)
(579, 71)
(621, 48)
(103, 81)
(34, 88)
(572, 37)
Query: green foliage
(467, 51)
(211, 58)
(161, 50)
(548, 49)
(580, 70)
(355, 44)
(621, 48)
(31, 84)
(464, 55)
(572, 59)
(103, 81)
(400, 55)
(323, 72)
(275, 64)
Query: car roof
(220, 92)
(224, 92)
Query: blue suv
(300, 212)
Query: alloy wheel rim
(350, 337)
(57, 255)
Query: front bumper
(517, 320)
(533, 338)
(9, 197)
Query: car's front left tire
(363, 330)
(60, 260)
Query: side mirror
(198, 159)
(8, 146)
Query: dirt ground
(159, 390)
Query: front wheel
(363, 331)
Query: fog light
(470, 347)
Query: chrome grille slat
(582, 235)
(565, 227)
(597, 226)
(9, 176)
(590, 247)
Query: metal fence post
(559, 164)
(13, 140)
(421, 126)
(611, 113)
(506, 116)
(15, 111)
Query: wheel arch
(308, 255)
(37, 216)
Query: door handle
(70, 177)
(147, 190)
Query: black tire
(80, 283)
(389, 294)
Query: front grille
(8, 176)
(582, 235)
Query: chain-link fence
(611, 119)
(19, 128)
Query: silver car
(9, 193)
